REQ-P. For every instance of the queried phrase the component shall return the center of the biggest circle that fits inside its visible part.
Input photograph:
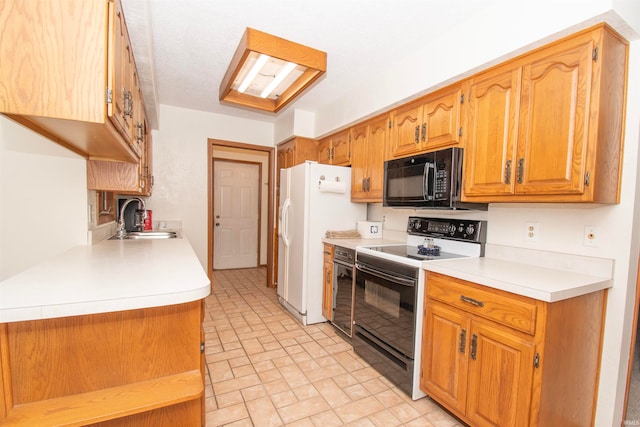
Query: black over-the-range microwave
(426, 181)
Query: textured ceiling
(183, 47)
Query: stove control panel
(448, 228)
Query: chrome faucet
(121, 232)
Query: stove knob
(470, 229)
(452, 229)
(417, 225)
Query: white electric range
(390, 288)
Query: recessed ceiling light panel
(268, 72)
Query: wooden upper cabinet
(548, 126)
(432, 122)
(554, 120)
(341, 148)
(324, 151)
(368, 144)
(335, 149)
(63, 87)
(295, 151)
(121, 91)
(490, 152)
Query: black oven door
(385, 304)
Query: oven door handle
(343, 263)
(382, 275)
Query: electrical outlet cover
(531, 231)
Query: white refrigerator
(314, 198)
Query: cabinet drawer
(511, 310)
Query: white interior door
(236, 204)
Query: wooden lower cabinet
(498, 359)
(126, 368)
(327, 289)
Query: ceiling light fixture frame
(314, 61)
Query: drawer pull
(471, 301)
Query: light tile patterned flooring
(266, 369)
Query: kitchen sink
(152, 234)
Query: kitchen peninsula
(109, 334)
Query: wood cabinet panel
(444, 355)
(434, 121)
(368, 145)
(335, 149)
(493, 109)
(554, 119)
(508, 309)
(498, 374)
(500, 377)
(327, 280)
(442, 119)
(341, 148)
(111, 365)
(63, 74)
(547, 127)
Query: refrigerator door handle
(284, 225)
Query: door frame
(244, 162)
(211, 144)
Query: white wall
(180, 165)
(499, 30)
(43, 198)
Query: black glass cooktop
(412, 252)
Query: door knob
(217, 216)
(217, 224)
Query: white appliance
(314, 198)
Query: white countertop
(545, 276)
(544, 284)
(112, 275)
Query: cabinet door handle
(507, 172)
(520, 170)
(416, 134)
(463, 341)
(471, 301)
(127, 104)
(328, 276)
(474, 346)
(424, 132)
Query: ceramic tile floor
(266, 369)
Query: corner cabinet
(498, 359)
(368, 145)
(548, 126)
(295, 151)
(433, 121)
(327, 280)
(77, 88)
